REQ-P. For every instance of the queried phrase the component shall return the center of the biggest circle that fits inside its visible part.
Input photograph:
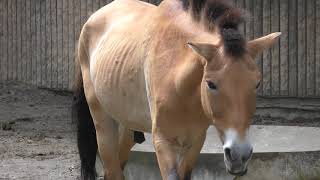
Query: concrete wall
(38, 38)
(263, 166)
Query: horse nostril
(246, 158)
(227, 152)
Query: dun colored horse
(171, 70)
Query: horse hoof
(100, 178)
(173, 175)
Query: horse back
(111, 16)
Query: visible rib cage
(223, 15)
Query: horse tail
(86, 133)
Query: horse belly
(120, 85)
(116, 64)
(129, 102)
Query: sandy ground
(37, 138)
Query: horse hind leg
(105, 138)
(127, 139)
(126, 142)
(99, 168)
(107, 133)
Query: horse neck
(170, 6)
(188, 83)
(175, 28)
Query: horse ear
(257, 46)
(205, 50)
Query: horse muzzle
(236, 159)
(240, 173)
(237, 154)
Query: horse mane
(223, 15)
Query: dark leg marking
(188, 175)
(123, 165)
(173, 175)
(138, 137)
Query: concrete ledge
(263, 138)
(263, 166)
(281, 152)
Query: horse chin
(242, 173)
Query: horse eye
(211, 85)
(257, 86)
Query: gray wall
(38, 38)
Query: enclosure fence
(38, 40)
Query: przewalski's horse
(170, 70)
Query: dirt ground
(37, 136)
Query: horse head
(228, 93)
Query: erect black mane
(221, 14)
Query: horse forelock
(224, 16)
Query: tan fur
(138, 72)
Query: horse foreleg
(190, 157)
(167, 157)
(175, 161)
(169, 154)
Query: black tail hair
(86, 133)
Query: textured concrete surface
(281, 152)
(263, 166)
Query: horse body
(139, 73)
(116, 63)
(118, 67)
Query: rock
(7, 126)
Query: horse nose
(246, 156)
(227, 152)
(237, 157)
(238, 152)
